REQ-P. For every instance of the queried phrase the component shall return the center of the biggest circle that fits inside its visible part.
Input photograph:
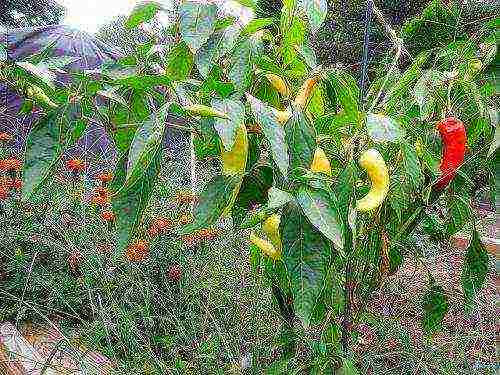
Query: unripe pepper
(454, 139)
(205, 111)
(305, 91)
(265, 246)
(321, 163)
(278, 83)
(375, 166)
(36, 93)
(234, 161)
(271, 228)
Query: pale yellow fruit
(321, 163)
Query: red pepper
(454, 139)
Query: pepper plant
(328, 182)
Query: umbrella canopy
(73, 50)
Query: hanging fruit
(265, 246)
(234, 161)
(454, 139)
(320, 162)
(278, 83)
(271, 227)
(375, 166)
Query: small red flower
(11, 164)
(105, 177)
(108, 216)
(185, 198)
(75, 165)
(16, 184)
(160, 226)
(174, 273)
(138, 251)
(102, 196)
(4, 193)
(5, 137)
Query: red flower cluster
(105, 177)
(8, 184)
(160, 226)
(138, 251)
(207, 234)
(108, 215)
(11, 164)
(185, 198)
(174, 273)
(101, 197)
(75, 165)
(5, 137)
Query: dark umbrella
(72, 50)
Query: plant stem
(364, 64)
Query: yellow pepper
(278, 83)
(265, 246)
(205, 111)
(321, 163)
(281, 116)
(36, 93)
(234, 161)
(305, 91)
(271, 228)
(375, 166)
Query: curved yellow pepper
(321, 163)
(278, 83)
(205, 111)
(271, 227)
(234, 162)
(265, 246)
(375, 166)
(35, 92)
(281, 116)
(305, 91)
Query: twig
(364, 69)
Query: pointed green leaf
(411, 164)
(273, 131)
(146, 142)
(424, 91)
(383, 129)
(308, 55)
(435, 306)
(322, 212)
(130, 204)
(342, 90)
(197, 23)
(316, 11)
(306, 256)
(255, 25)
(475, 267)
(214, 199)
(278, 198)
(179, 62)
(459, 213)
(142, 13)
(301, 138)
(227, 128)
(240, 66)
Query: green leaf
(253, 191)
(424, 91)
(412, 168)
(308, 55)
(146, 142)
(197, 23)
(240, 66)
(294, 34)
(301, 138)
(435, 306)
(383, 129)
(306, 257)
(459, 213)
(342, 90)
(142, 13)
(111, 93)
(273, 131)
(316, 11)
(227, 128)
(475, 267)
(348, 368)
(38, 72)
(278, 198)
(41, 159)
(179, 62)
(215, 48)
(255, 25)
(130, 204)
(496, 141)
(214, 199)
(321, 210)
